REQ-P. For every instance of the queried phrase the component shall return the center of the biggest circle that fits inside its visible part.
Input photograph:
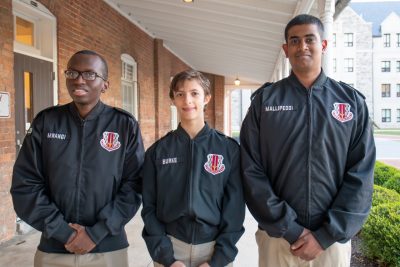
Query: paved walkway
(19, 252)
(388, 149)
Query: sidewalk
(394, 155)
(20, 251)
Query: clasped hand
(181, 264)
(79, 242)
(306, 247)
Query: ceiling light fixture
(188, 1)
(237, 81)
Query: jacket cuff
(293, 232)
(166, 261)
(219, 259)
(170, 261)
(63, 233)
(97, 232)
(323, 237)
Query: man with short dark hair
(76, 178)
(308, 157)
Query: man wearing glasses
(76, 178)
(308, 157)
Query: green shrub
(393, 183)
(381, 234)
(384, 195)
(383, 173)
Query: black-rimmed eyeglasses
(86, 75)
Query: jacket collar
(203, 132)
(318, 83)
(93, 114)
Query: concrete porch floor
(19, 251)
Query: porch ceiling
(226, 37)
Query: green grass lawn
(388, 131)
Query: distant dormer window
(348, 39)
(386, 40)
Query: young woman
(193, 206)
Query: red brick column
(7, 125)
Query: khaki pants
(274, 252)
(191, 255)
(118, 258)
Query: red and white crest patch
(110, 141)
(214, 164)
(341, 112)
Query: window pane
(386, 40)
(386, 115)
(385, 90)
(348, 65)
(334, 40)
(24, 31)
(129, 86)
(385, 66)
(348, 39)
(334, 65)
(398, 115)
(127, 71)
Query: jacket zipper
(309, 157)
(78, 198)
(191, 213)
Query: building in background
(366, 55)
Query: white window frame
(32, 49)
(132, 83)
(334, 65)
(386, 40)
(398, 115)
(385, 66)
(334, 40)
(348, 39)
(398, 90)
(349, 65)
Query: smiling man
(76, 178)
(308, 157)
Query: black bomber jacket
(192, 190)
(85, 171)
(308, 158)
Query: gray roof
(375, 12)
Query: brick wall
(110, 34)
(215, 108)
(7, 125)
(78, 29)
(105, 31)
(219, 93)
